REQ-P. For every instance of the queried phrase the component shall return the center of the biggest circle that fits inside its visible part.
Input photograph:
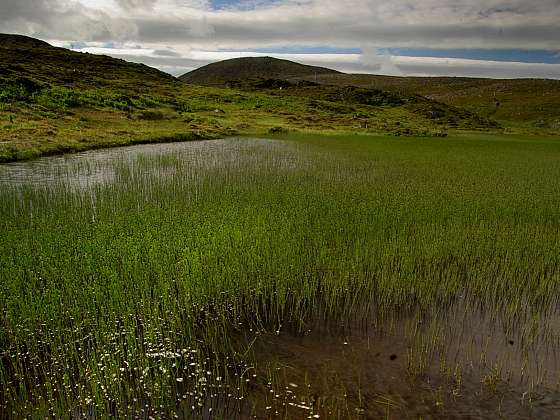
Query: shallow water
(463, 365)
(97, 167)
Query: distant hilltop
(251, 68)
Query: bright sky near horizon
(481, 38)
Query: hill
(35, 63)
(222, 72)
(53, 101)
(517, 103)
(285, 78)
(380, 108)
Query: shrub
(151, 115)
(19, 90)
(277, 130)
(58, 97)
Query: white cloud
(183, 26)
(429, 66)
(376, 61)
(180, 61)
(136, 4)
(108, 5)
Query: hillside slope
(394, 106)
(278, 77)
(53, 101)
(523, 105)
(222, 72)
(530, 103)
(34, 62)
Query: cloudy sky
(487, 38)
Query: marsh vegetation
(301, 277)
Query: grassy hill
(39, 64)
(516, 103)
(343, 100)
(272, 76)
(223, 72)
(523, 105)
(53, 100)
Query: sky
(477, 38)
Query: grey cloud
(231, 34)
(166, 53)
(136, 4)
(61, 19)
(425, 24)
(180, 24)
(399, 23)
(175, 30)
(26, 9)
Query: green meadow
(148, 281)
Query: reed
(136, 284)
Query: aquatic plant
(140, 284)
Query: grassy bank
(39, 121)
(148, 293)
(54, 101)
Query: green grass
(521, 105)
(137, 293)
(150, 294)
(54, 120)
(55, 101)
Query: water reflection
(88, 169)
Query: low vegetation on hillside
(53, 100)
(521, 105)
(346, 99)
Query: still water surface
(91, 168)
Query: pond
(88, 169)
